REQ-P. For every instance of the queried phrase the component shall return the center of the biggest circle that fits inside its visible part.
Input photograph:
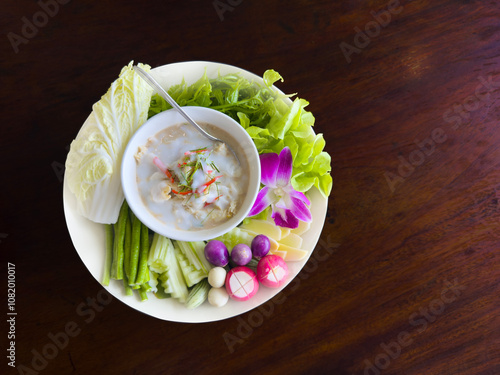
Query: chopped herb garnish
(214, 167)
(206, 217)
(188, 167)
(188, 199)
(197, 151)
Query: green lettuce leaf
(267, 118)
(271, 76)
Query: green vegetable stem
(143, 291)
(127, 246)
(143, 270)
(127, 251)
(134, 250)
(109, 254)
(118, 254)
(128, 289)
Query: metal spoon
(154, 83)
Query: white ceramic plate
(89, 237)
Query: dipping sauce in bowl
(184, 186)
(188, 181)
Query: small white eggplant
(216, 277)
(217, 297)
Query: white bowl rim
(169, 118)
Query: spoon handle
(149, 79)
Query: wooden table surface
(405, 279)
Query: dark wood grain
(405, 279)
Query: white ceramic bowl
(241, 143)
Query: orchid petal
(282, 204)
(298, 195)
(263, 200)
(285, 167)
(284, 218)
(300, 210)
(269, 164)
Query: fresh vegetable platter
(89, 238)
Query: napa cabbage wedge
(94, 160)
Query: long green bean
(109, 254)
(126, 246)
(128, 289)
(143, 270)
(134, 250)
(143, 291)
(118, 255)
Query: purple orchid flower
(288, 205)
